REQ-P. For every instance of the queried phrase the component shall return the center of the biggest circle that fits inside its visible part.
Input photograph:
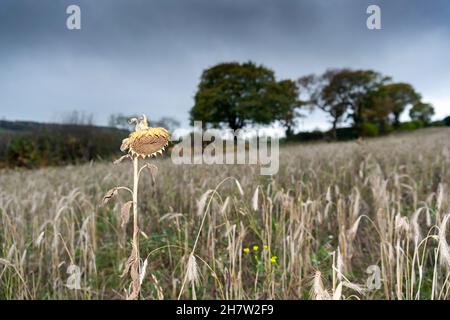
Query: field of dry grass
(310, 232)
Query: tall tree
(322, 96)
(447, 121)
(234, 94)
(422, 112)
(400, 95)
(378, 109)
(341, 92)
(354, 88)
(283, 98)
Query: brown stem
(135, 267)
(135, 204)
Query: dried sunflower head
(145, 141)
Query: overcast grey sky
(136, 56)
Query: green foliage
(325, 95)
(306, 136)
(367, 97)
(342, 134)
(447, 121)
(398, 97)
(422, 112)
(283, 98)
(439, 123)
(369, 130)
(236, 94)
(386, 128)
(57, 145)
(410, 126)
(344, 92)
(385, 105)
(233, 94)
(353, 88)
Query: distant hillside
(33, 144)
(31, 126)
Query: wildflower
(255, 248)
(145, 141)
(266, 247)
(246, 250)
(274, 259)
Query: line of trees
(235, 95)
(57, 144)
(75, 140)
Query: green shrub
(342, 134)
(306, 136)
(59, 146)
(411, 125)
(369, 130)
(447, 121)
(347, 133)
(386, 128)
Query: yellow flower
(255, 248)
(246, 250)
(266, 247)
(145, 141)
(274, 259)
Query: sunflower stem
(135, 209)
(135, 202)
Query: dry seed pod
(145, 141)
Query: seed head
(146, 141)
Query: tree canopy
(422, 112)
(343, 92)
(235, 95)
(285, 104)
(399, 96)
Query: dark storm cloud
(134, 56)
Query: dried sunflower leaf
(122, 158)
(125, 213)
(129, 263)
(153, 171)
(125, 145)
(109, 195)
(136, 285)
